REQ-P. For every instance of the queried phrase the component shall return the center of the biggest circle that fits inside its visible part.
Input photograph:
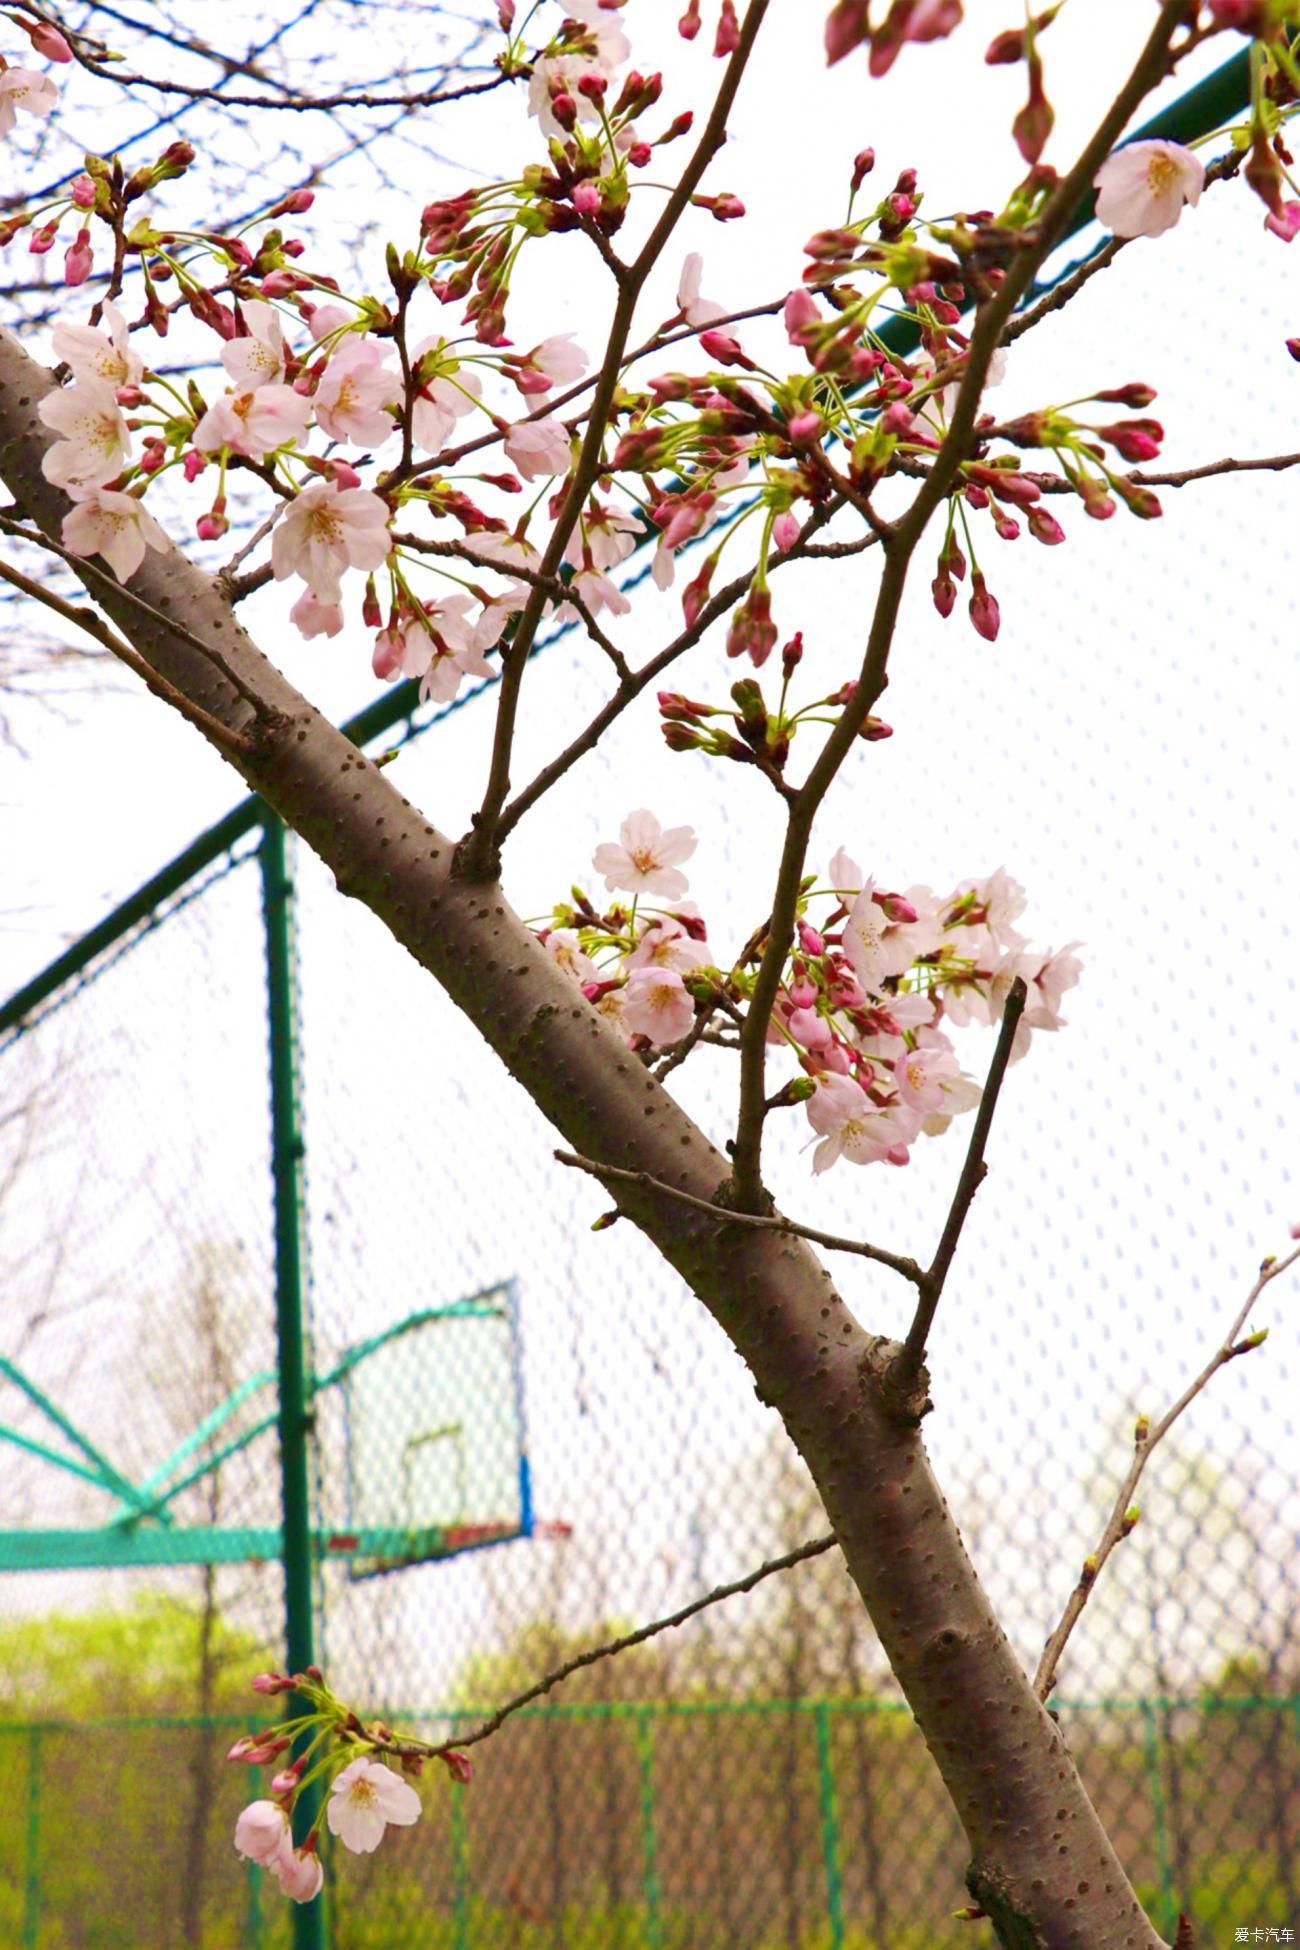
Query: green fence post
(459, 1871)
(830, 1826)
(309, 1927)
(32, 1879)
(649, 1852)
(1155, 1779)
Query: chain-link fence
(750, 1780)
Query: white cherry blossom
(117, 526)
(695, 310)
(1141, 188)
(258, 359)
(443, 400)
(254, 423)
(538, 448)
(647, 858)
(560, 358)
(364, 1799)
(27, 89)
(851, 1126)
(103, 356)
(95, 444)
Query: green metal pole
(830, 1826)
(649, 1850)
(32, 1888)
(460, 1911)
(1160, 1820)
(309, 1927)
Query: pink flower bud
(460, 1767)
(586, 199)
(792, 655)
(43, 239)
(728, 35)
(811, 942)
(83, 191)
(1136, 396)
(79, 259)
(593, 87)
(386, 658)
(1293, 347)
(192, 466)
(984, 612)
(211, 526)
(269, 1682)
(1136, 440)
(847, 26)
(728, 351)
(1044, 527)
(944, 591)
(863, 164)
(1284, 223)
(785, 530)
(805, 427)
(689, 24)
(47, 40)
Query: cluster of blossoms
(302, 359)
(868, 993)
(365, 1797)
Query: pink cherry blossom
(1284, 223)
(538, 448)
(876, 950)
(96, 444)
(1141, 188)
(922, 1073)
(565, 950)
(364, 1799)
(1060, 971)
(667, 944)
(258, 359)
(647, 858)
(603, 538)
(254, 423)
(99, 356)
(24, 88)
(300, 1875)
(117, 526)
(313, 618)
(440, 649)
(326, 530)
(354, 392)
(559, 358)
(598, 593)
(845, 875)
(658, 1005)
(262, 1834)
(695, 310)
(851, 1126)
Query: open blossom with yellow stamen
(1141, 188)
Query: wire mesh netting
(751, 1779)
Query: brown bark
(1041, 1862)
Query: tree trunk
(1041, 1864)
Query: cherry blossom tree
(800, 433)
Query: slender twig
(898, 546)
(1274, 464)
(221, 735)
(1061, 293)
(1124, 1514)
(478, 854)
(973, 1173)
(721, 600)
(84, 565)
(385, 1742)
(763, 1221)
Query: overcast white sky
(1126, 749)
